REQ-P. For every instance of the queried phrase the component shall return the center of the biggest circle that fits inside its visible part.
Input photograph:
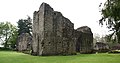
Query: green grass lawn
(15, 57)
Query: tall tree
(111, 15)
(14, 36)
(25, 25)
(7, 31)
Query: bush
(4, 49)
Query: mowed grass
(16, 57)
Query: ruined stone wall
(63, 33)
(52, 33)
(38, 31)
(24, 42)
(101, 47)
(84, 40)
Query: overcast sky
(80, 12)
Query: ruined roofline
(68, 20)
(84, 32)
(35, 12)
(44, 5)
(48, 6)
(57, 12)
(84, 29)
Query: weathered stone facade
(84, 40)
(24, 42)
(53, 34)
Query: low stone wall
(24, 42)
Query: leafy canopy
(25, 26)
(8, 33)
(111, 15)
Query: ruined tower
(52, 33)
(84, 39)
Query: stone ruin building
(101, 47)
(84, 40)
(53, 34)
(24, 42)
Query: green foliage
(13, 38)
(8, 31)
(15, 57)
(1, 29)
(109, 38)
(25, 26)
(5, 49)
(111, 15)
